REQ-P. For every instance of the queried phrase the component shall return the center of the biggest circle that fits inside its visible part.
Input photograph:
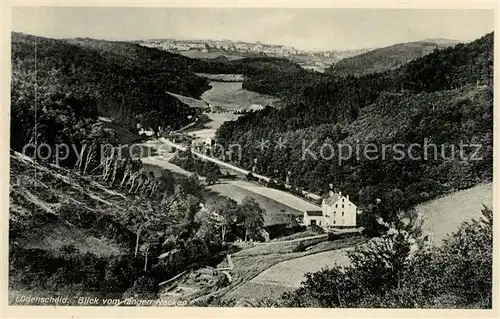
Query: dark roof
(332, 199)
(314, 213)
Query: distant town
(244, 47)
(309, 59)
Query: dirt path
(294, 240)
(259, 189)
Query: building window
(342, 205)
(334, 222)
(320, 223)
(313, 222)
(342, 213)
(342, 200)
(336, 205)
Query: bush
(299, 248)
(221, 280)
(333, 236)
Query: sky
(307, 29)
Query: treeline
(444, 98)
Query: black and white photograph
(251, 157)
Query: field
(215, 120)
(268, 276)
(291, 273)
(279, 196)
(276, 212)
(278, 204)
(232, 97)
(207, 55)
(209, 128)
(444, 215)
(190, 101)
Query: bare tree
(90, 156)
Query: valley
(266, 228)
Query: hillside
(444, 97)
(444, 215)
(121, 81)
(69, 231)
(386, 58)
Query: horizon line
(263, 43)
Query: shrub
(299, 248)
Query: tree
(465, 260)
(227, 210)
(381, 263)
(252, 217)
(212, 178)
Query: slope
(88, 236)
(386, 58)
(126, 82)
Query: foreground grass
(443, 215)
(247, 267)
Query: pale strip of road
(232, 167)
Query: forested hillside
(69, 85)
(444, 97)
(384, 59)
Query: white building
(336, 211)
(209, 141)
(256, 107)
(148, 132)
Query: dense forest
(444, 98)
